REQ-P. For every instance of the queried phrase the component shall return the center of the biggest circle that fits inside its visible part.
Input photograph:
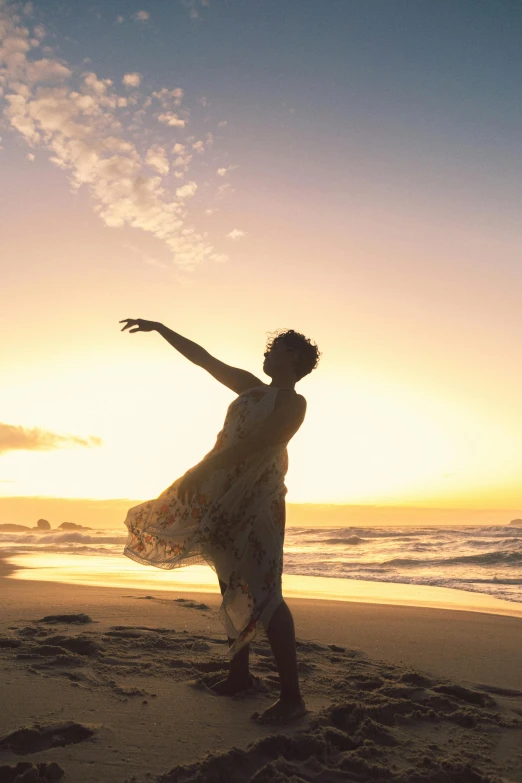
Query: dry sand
(395, 693)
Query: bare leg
(239, 677)
(281, 635)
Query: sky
(350, 170)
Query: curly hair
(308, 351)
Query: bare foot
(232, 685)
(282, 711)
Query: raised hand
(139, 325)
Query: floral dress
(235, 523)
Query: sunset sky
(351, 170)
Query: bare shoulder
(290, 401)
(233, 377)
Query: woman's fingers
(139, 324)
(136, 327)
(186, 490)
(182, 490)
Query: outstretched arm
(234, 378)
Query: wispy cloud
(95, 134)
(194, 7)
(236, 233)
(132, 79)
(141, 16)
(13, 438)
(145, 257)
(157, 158)
(187, 191)
(223, 171)
(172, 120)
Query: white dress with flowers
(235, 523)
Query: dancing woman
(229, 509)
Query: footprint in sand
(9, 641)
(191, 604)
(465, 694)
(78, 619)
(80, 645)
(27, 772)
(183, 601)
(499, 691)
(38, 738)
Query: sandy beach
(113, 687)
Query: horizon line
(289, 503)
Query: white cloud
(157, 158)
(183, 161)
(169, 98)
(98, 86)
(223, 171)
(46, 70)
(186, 191)
(236, 233)
(141, 16)
(120, 19)
(82, 123)
(30, 156)
(132, 79)
(172, 120)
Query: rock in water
(9, 527)
(72, 526)
(43, 524)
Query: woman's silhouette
(229, 510)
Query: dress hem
(167, 565)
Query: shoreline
(123, 573)
(400, 632)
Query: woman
(229, 510)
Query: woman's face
(279, 357)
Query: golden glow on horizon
(365, 439)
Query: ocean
(479, 559)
